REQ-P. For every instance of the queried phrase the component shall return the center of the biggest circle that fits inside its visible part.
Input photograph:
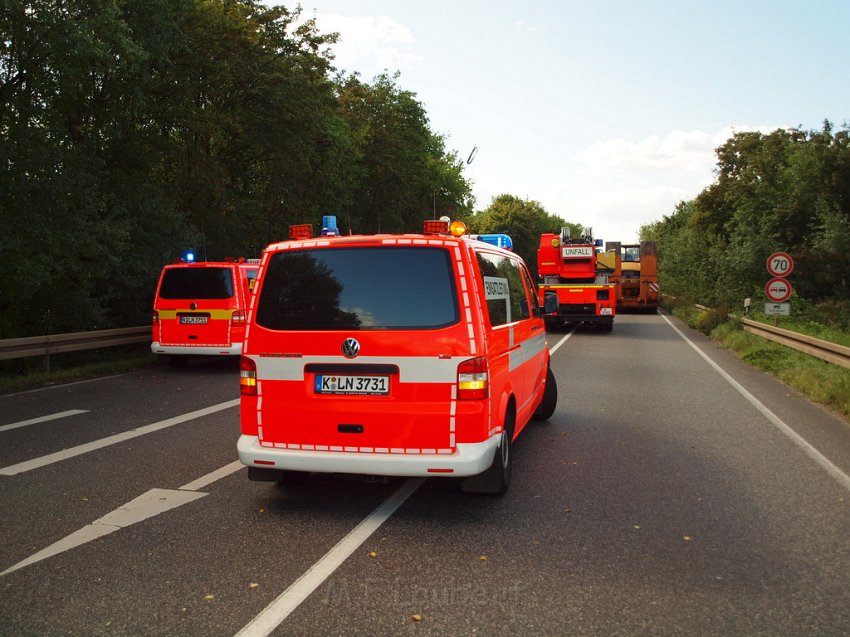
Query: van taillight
(247, 377)
(238, 316)
(155, 317)
(472, 380)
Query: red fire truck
(577, 273)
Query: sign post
(778, 289)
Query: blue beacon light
(329, 227)
(498, 240)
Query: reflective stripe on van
(528, 349)
(215, 315)
(447, 432)
(412, 369)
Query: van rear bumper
(469, 459)
(200, 350)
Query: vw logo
(350, 347)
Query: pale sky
(607, 112)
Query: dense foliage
(133, 129)
(524, 221)
(788, 190)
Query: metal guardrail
(831, 352)
(60, 343)
(824, 350)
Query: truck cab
(572, 269)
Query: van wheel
(550, 398)
(496, 479)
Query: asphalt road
(668, 495)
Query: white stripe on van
(534, 345)
(412, 369)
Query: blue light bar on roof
(329, 226)
(188, 256)
(498, 240)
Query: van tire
(550, 398)
(497, 478)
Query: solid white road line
(555, 347)
(147, 505)
(842, 478)
(35, 421)
(43, 461)
(211, 477)
(271, 617)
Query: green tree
(132, 129)
(785, 190)
(524, 221)
(404, 173)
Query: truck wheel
(550, 398)
(496, 479)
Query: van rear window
(196, 283)
(359, 288)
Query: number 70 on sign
(780, 264)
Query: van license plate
(369, 385)
(193, 320)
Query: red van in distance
(200, 308)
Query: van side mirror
(550, 303)
(523, 308)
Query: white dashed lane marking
(41, 419)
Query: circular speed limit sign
(780, 264)
(778, 290)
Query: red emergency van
(201, 307)
(398, 355)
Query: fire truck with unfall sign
(572, 268)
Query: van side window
(535, 305)
(503, 287)
(250, 277)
